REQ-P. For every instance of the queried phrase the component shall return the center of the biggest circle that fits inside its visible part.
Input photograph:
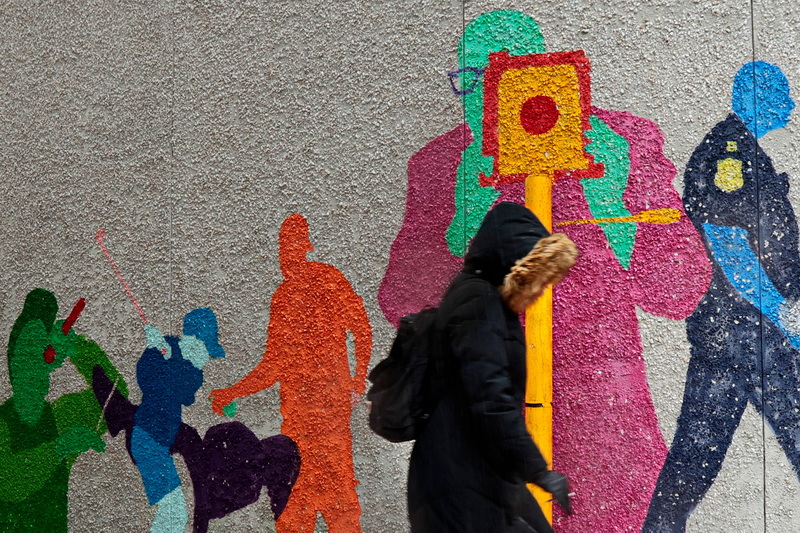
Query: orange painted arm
(265, 374)
(358, 324)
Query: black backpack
(402, 394)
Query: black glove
(557, 485)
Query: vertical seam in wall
(758, 252)
(172, 201)
(462, 179)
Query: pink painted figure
(606, 434)
(605, 430)
(420, 264)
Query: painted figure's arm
(669, 269)
(358, 324)
(88, 354)
(79, 424)
(78, 415)
(265, 374)
(420, 263)
(742, 268)
(778, 229)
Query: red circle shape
(538, 114)
(49, 354)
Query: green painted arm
(88, 354)
(79, 410)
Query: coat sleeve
(476, 332)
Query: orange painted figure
(306, 352)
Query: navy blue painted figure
(745, 333)
(228, 466)
(169, 373)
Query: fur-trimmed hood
(515, 252)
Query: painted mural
(612, 194)
(311, 313)
(228, 467)
(307, 470)
(724, 257)
(744, 334)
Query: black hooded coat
(470, 464)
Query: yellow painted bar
(664, 215)
(539, 341)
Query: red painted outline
(499, 63)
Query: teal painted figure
(40, 440)
(518, 34)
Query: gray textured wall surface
(189, 130)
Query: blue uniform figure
(745, 333)
(169, 373)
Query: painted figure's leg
(155, 464)
(171, 514)
(337, 497)
(343, 511)
(781, 407)
(300, 514)
(713, 402)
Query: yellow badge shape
(729, 175)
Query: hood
(514, 251)
(507, 234)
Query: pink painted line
(99, 237)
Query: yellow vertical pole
(539, 342)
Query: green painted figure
(40, 440)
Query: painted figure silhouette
(40, 440)
(306, 352)
(228, 466)
(606, 436)
(744, 335)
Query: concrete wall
(191, 131)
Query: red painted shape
(595, 170)
(495, 180)
(73, 315)
(539, 114)
(49, 354)
(499, 63)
